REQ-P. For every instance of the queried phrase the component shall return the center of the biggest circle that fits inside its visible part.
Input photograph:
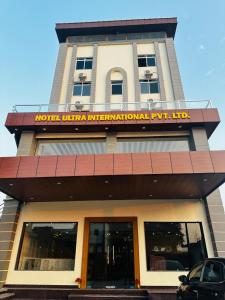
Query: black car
(206, 281)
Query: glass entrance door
(110, 255)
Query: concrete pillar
(213, 203)
(8, 224)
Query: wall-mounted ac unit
(82, 76)
(151, 75)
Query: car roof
(219, 259)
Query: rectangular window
(150, 144)
(117, 87)
(149, 86)
(146, 60)
(173, 246)
(82, 89)
(71, 147)
(84, 63)
(47, 247)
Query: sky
(29, 46)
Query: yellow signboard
(111, 117)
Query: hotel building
(114, 184)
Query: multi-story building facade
(113, 183)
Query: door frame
(86, 243)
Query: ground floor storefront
(108, 244)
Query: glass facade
(47, 247)
(163, 144)
(71, 147)
(173, 246)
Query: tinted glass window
(145, 87)
(173, 246)
(154, 87)
(142, 62)
(80, 65)
(71, 147)
(213, 272)
(149, 87)
(84, 63)
(88, 64)
(165, 144)
(82, 89)
(146, 60)
(151, 61)
(117, 87)
(48, 247)
(195, 274)
(77, 90)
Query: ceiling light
(31, 198)
(106, 181)
(11, 184)
(59, 183)
(44, 129)
(143, 127)
(180, 126)
(205, 179)
(106, 128)
(150, 195)
(76, 128)
(155, 180)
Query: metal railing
(120, 106)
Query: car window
(213, 272)
(195, 274)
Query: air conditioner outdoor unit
(82, 76)
(78, 105)
(150, 75)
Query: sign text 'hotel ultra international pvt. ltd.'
(110, 117)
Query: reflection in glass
(71, 147)
(48, 247)
(153, 144)
(111, 255)
(173, 246)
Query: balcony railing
(121, 106)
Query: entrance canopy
(174, 175)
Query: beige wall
(144, 210)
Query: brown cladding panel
(218, 160)
(104, 164)
(46, 166)
(84, 165)
(161, 163)
(9, 167)
(122, 164)
(28, 166)
(196, 115)
(141, 163)
(66, 166)
(201, 162)
(181, 162)
(210, 115)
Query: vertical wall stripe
(94, 74)
(213, 203)
(69, 89)
(137, 89)
(58, 76)
(160, 73)
(10, 224)
(174, 70)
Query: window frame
(116, 83)
(17, 262)
(149, 82)
(85, 60)
(146, 56)
(214, 262)
(82, 85)
(187, 236)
